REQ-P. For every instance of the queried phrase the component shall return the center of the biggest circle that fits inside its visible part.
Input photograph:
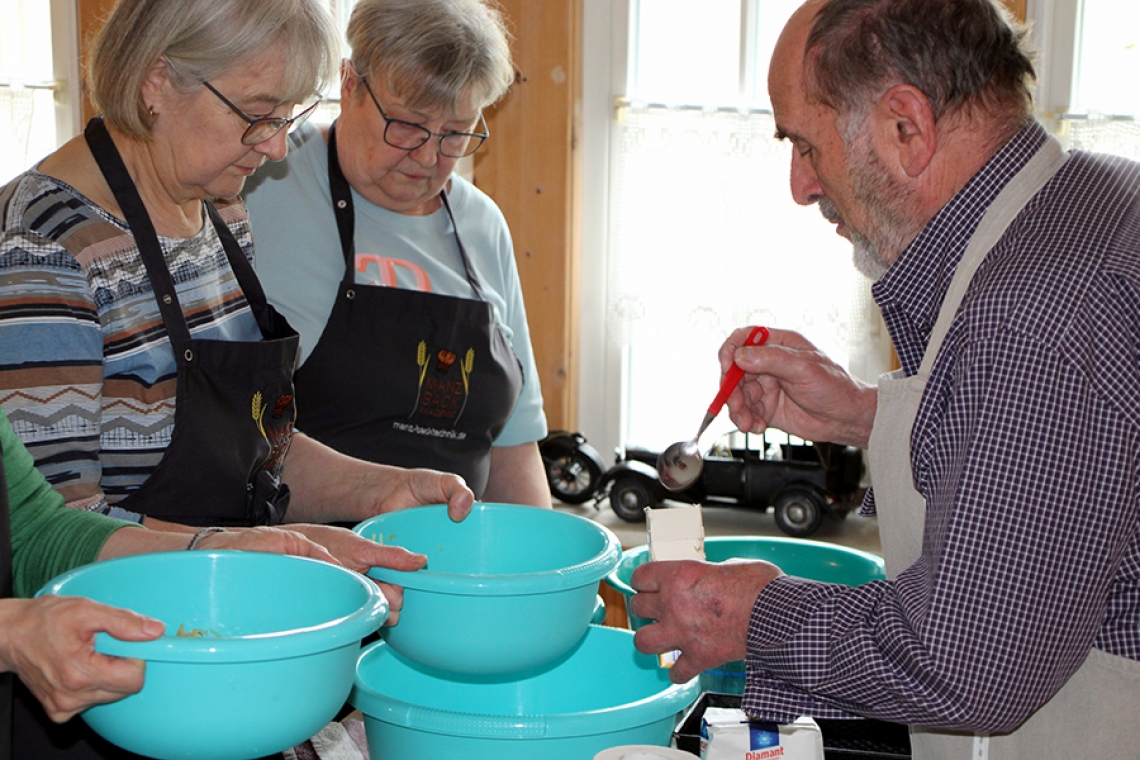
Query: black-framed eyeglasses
(408, 136)
(260, 130)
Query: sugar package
(728, 734)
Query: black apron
(234, 412)
(405, 377)
(232, 426)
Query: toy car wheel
(573, 477)
(629, 498)
(799, 512)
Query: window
(1090, 50)
(39, 84)
(704, 236)
(689, 228)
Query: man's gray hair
(964, 55)
(202, 39)
(432, 53)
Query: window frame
(607, 58)
(1058, 52)
(66, 82)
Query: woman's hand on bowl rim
(272, 540)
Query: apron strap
(344, 210)
(471, 277)
(1000, 214)
(115, 172)
(138, 220)
(243, 272)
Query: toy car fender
(633, 487)
(573, 467)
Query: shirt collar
(910, 294)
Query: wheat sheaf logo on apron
(439, 393)
(277, 436)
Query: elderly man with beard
(1005, 453)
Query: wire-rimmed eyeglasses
(408, 136)
(261, 129)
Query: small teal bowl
(816, 560)
(507, 589)
(272, 664)
(601, 694)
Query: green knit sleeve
(47, 537)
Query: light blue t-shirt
(300, 264)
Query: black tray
(858, 739)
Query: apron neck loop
(471, 277)
(1012, 198)
(344, 210)
(138, 220)
(115, 172)
(343, 207)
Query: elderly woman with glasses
(139, 359)
(399, 273)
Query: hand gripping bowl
(816, 560)
(270, 661)
(601, 694)
(507, 589)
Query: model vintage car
(801, 481)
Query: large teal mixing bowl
(602, 694)
(816, 560)
(271, 661)
(507, 589)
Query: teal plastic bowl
(508, 589)
(601, 694)
(272, 663)
(815, 560)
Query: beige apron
(1095, 715)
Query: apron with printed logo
(405, 377)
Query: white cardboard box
(728, 734)
(675, 533)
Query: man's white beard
(868, 260)
(885, 201)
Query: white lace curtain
(16, 109)
(27, 106)
(706, 238)
(1101, 135)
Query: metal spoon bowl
(679, 466)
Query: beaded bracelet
(200, 534)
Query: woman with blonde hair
(388, 260)
(139, 359)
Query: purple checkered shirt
(1027, 451)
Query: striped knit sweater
(87, 372)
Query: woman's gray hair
(962, 54)
(200, 40)
(433, 53)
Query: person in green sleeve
(48, 642)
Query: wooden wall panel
(1016, 7)
(530, 167)
(91, 15)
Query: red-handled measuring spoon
(679, 466)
